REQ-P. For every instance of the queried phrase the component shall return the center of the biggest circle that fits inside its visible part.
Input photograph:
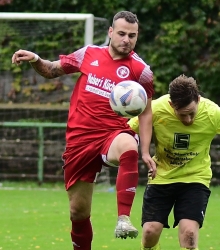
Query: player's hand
(152, 168)
(22, 55)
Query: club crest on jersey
(123, 72)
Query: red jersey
(90, 114)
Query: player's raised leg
(124, 150)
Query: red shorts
(84, 161)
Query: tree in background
(185, 40)
(175, 36)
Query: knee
(78, 211)
(151, 234)
(188, 233)
(190, 238)
(125, 142)
(150, 230)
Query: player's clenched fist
(22, 55)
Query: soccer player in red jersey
(95, 135)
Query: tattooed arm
(43, 67)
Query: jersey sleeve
(134, 124)
(146, 80)
(71, 63)
(143, 74)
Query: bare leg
(80, 199)
(188, 234)
(151, 235)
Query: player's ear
(110, 30)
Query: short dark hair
(127, 15)
(183, 90)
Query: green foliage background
(176, 37)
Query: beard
(121, 50)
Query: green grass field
(38, 218)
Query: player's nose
(187, 120)
(126, 39)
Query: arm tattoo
(48, 69)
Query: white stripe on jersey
(97, 46)
(146, 76)
(146, 73)
(80, 53)
(137, 58)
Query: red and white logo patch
(123, 72)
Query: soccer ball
(128, 99)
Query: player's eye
(132, 35)
(121, 34)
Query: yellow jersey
(182, 152)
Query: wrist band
(36, 57)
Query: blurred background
(175, 37)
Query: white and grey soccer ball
(128, 99)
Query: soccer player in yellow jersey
(184, 125)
